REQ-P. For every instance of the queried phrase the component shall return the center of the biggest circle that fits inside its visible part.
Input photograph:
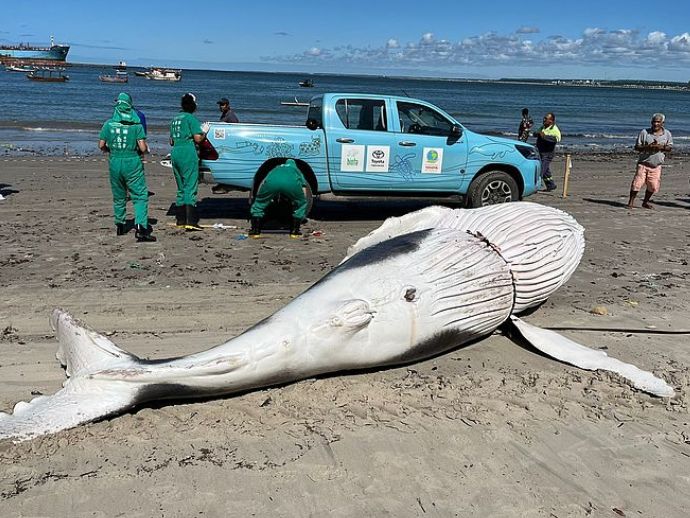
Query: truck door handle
(407, 143)
(344, 140)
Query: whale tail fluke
(83, 397)
(565, 350)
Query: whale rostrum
(416, 287)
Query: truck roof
(360, 95)
(328, 97)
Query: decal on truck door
(352, 158)
(432, 160)
(377, 159)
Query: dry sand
(492, 429)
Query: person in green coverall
(122, 136)
(285, 180)
(185, 133)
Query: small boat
(48, 75)
(164, 74)
(307, 83)
(119, 77)
(141, 73)
(19, 68)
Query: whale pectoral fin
(352, 315)
(565, 350)
(80, 401)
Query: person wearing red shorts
(652, 144)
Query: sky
(598, 39)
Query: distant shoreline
(586, 83)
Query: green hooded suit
(121, 133)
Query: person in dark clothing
(525, 125)
(142, 118)
(227, 114)
(547, 137)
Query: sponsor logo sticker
(219, 133)
(377, 159)
(352, 158)
(432, 160)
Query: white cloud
(656, 38)
(596, 46)
(680, 43)
(593, 31)
(527, 30)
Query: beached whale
(416, 287)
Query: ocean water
(64, 118)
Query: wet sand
(491, 429)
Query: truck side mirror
(312, 124)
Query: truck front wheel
(492, 188)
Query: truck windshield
(362, 114)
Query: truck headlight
(529, 152)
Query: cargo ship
(32, 53)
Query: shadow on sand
(661, 203)
(346, 209)
(674, 204)
(607, 202)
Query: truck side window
(362, 114)
(315, 111)
(416, 118)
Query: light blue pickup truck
(375, 145)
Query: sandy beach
(492, 429)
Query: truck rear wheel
(492, 188)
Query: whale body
(418, 286)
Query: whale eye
(410, 294)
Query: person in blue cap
(123, 137)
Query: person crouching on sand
(122, 136)
(651, 143)
(285, 180)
